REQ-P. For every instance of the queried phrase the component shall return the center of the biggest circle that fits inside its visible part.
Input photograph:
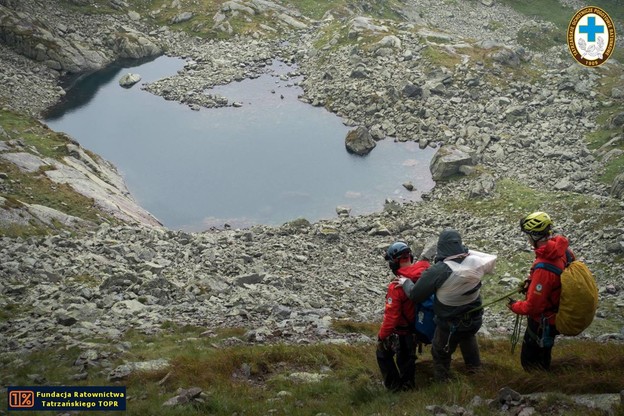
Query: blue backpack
(424, 325)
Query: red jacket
(399, 311)
(545, 287)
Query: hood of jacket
(449, 244)
(554, 249)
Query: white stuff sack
(462, 286)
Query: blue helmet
(397, 250)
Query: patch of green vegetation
(541, 37)
(315, 9)
(33, 188)
(35, 135)
(602, 135)
(597, 138)
(91, 7)
(548, 10)
(12, 203)
(441, 57)
(333, 36)
(36, 187)
(516, 265)
(9, 311)
(383, 9)
(495, 25)
(437, 39)
(613, 168)
(85, 280)
(15, 230)
(348, 326)
(341, 379)
(54, 365)
(511, 200)
(606, 326)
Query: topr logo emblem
(591, 36)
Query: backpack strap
(569, 257)
(553, 269)
(550, 267)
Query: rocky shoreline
(525, 134)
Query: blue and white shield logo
(591, 36)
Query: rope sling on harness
(515, 335)
(485, 305)
(514, 341)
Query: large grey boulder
(181, 18)
(617, 188)
(233, 6)
(448, 160)
(618, 120)
(129, 80)
(363, 24)
(291, 21)
(359, 141)
(506, 57)
(184, 397)
(132, 44)
(125, 370)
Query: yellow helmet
(536, 224)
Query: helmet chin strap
(535, 240)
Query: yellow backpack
(579, 297)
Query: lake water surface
(270, 161)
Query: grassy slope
(351, 385)
(36, 188)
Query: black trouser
(445, 341)
(398, 375)
(537, 349)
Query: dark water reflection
(270, 161)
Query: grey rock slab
(27, 162)
(447, 161)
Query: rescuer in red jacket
(543, 289)
(396, 347)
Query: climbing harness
(515, 335)
(452, 330)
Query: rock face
(53, 47)
(33, 39)
(93, 178)
(448, 160)
(359, 141)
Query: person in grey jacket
(454, 307)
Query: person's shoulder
(394, 291)
(424, 263)
(437, 268)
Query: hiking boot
(473, 369)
